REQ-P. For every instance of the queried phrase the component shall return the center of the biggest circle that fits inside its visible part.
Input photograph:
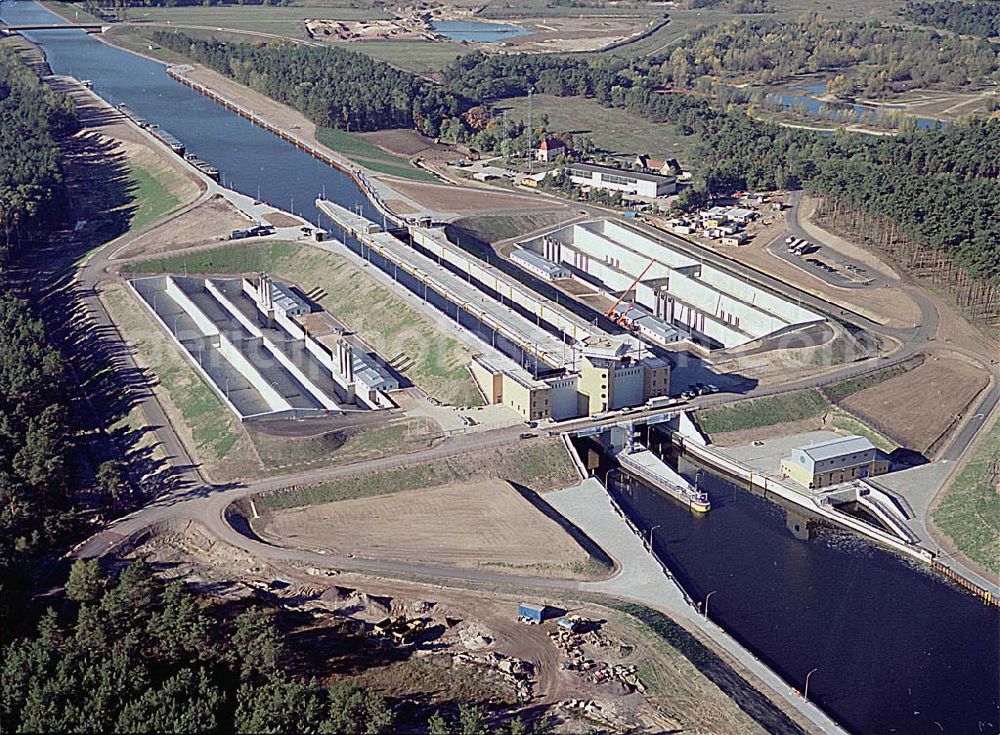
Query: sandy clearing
(917, 407)
(485, 523)
(211, 221)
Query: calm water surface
(898, 649)
(469, 30)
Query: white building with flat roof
(543, 267)
(633, 183)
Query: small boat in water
(649, 468)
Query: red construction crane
(610, 313)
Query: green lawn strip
(493, 228)
(760, 412)
(845, 422)
(231, 258)
(152, 199)
(836, 392)
(969, 512)
(525, 464)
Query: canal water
(250, 158)
(896, 649)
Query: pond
(805, 99)
(468, 30)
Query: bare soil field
(443, 198)
(569, 34)
(919, 406)
(400, 207)
(211, 221)
(330, 645)
(411, 144)
(487, 523)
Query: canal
(896, 649)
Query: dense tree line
(32, 117)
(331, 86)
(881, 59)
(969, 18)
(35, 486)
(130, 653)
(36, 482)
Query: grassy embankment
(347, 446)
(759, 413)
(692, 680)
(388, 323)
(370, 155)
(617, 132)
(152, 196)
(495, 227)
(538, 464)
(969, 511)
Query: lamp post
(607, 476)
(651, 534)
(805, 693)
(707, 598)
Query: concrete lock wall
(786, 310)
(293, 329)
(300, 376)
(611, 279)
(635, 241)
(206, 325)
(697, 319)
(233, 310)
(599, 248)
(323, 356)
(238, 360)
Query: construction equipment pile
(597, 672)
